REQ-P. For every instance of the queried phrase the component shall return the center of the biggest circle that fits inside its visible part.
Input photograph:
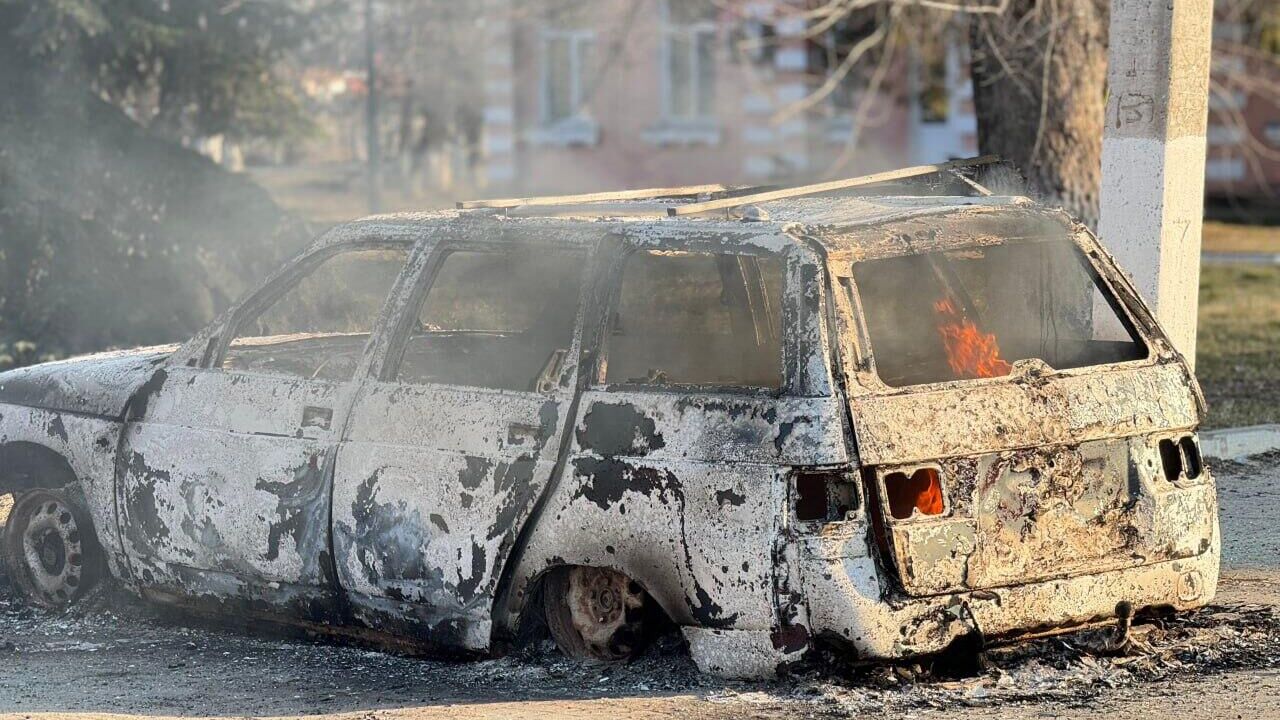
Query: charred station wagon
(885, 423)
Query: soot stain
(786, 430)
(56, 429)
(386, 539)
(619, 429)
(299, 501)
(141, 398)
(473, 475)
(438, 521)
(708, 612)
(729, 497)
(467, 586)
(143, 507)
(606, 480)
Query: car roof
(839, 224)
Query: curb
(1240, 443)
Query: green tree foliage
(183, 67)
(113, 234)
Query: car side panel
(432, 486)
(686, 494)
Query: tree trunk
(1039, 77)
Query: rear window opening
(976, 312)
(921, 491)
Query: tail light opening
(1180, 458)
(1191, 463)
(1170, 460)
(921, 492)
(823, 495)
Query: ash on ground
(113, 635)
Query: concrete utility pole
(1153, 153)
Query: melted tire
(619, 639)
(49, 549)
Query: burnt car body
(784, 431)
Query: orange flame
(970, 353)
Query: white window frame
(1225, 169)
(577, 39)
(692, 33)
(1219, 134)
(1271, 132)
(577, 128)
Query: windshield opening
(974, 313)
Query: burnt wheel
(595, 613)
(49, 549)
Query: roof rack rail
(902, 174)
(977, 186)
(649, 194)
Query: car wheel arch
(530, 603)
(29, 465)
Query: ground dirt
(114, 657)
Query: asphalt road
(114, 658)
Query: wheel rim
(52, 549)
(600, 602)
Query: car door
(682, 435)
(223, 469)
(447, 453)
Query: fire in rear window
(974, 313)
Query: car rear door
(223, 469)
(448, 451)
(685, 432)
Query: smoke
(111, 236)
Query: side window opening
(319, 327)
(697, 319)
(500, 320)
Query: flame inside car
(971, 353)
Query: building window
(1225, 134)
(689, 59)
(1272, 132)
(1233, 100)
(566, 79)
(1224, 169)
(842, 106)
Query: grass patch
(1231, 237)
(1238, 350)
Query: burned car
(885, 424)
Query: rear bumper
(844, 601)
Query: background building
(620, 94)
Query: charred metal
(879, 423)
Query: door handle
(317, 418)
